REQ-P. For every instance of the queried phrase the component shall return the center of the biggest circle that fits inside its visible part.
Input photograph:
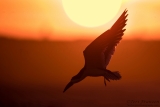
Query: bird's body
(98, 54)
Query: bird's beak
(68, 86)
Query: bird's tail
(113, 75)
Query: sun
(91, 13)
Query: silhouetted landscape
(34, 74)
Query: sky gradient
(46, 19)
(47, 50)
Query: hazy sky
(46, 19)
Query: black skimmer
(98, 54)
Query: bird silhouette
(99, 52)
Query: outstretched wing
(99, 52)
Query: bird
(98, 54)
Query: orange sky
(41, 19)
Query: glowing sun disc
(91, 13)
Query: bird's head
(68, 85)
(72, 81)
(75, 79)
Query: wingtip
(123, 30)
(126, 10)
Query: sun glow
(91, 13)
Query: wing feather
(99, 52)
